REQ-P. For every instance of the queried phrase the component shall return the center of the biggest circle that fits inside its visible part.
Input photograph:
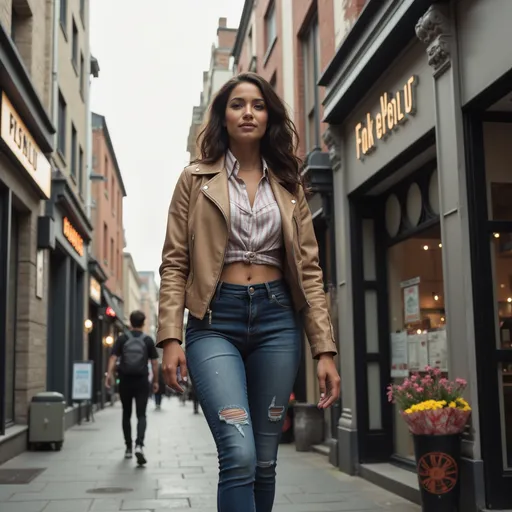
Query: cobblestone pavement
(181, 474)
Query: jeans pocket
(282, 300)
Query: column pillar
(437, 30)
(347, 425)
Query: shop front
(486, 100)
(25, 181)
(68, 286)
(404, 265)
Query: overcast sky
(152, 55)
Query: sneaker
(128, 453)
(139, 454)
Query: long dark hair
(279, 144)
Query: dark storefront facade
(68, 285)
(422, 187)
(25, 180)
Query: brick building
(290, 43)
(213, 79)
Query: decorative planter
(437, 464)
(308, 426)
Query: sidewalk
(90, 474)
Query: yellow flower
(408, 411)
(452, 405)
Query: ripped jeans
(243, 358)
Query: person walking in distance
(240, 254)
(134, 350)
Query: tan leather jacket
(196, 241)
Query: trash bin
(46, 423)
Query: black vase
(438, 469)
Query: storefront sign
(15, 134)
(394, 111)
(95, 291)
(72, 236)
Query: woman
(240, 253)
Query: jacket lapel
(287, 203)
(216, 188)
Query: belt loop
(217, 294)
(269, 292)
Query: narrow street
(90, 474)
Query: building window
(105, 243)
(74, 46)
(80, 170)
(112, 266)
(61, 138)
(270, 26)
(64, 16)
(73, 151)
(82, 12)
(106, 175)
(82, 75)
(311, 58)
(119, 263)
(21, 29)
(273, 80)
(113, 197)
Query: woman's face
(246, 114)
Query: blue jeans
(243, 358)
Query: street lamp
(108, 341)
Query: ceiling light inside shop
(425, 247)
(442, 319)
(418, 331)
(436, 297)
(496, 235)
(509, 299)
(440, 245)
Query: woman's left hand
(329, 381)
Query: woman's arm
(317, 322)
(175, 266)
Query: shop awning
(111, 301)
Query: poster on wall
(82, 380)
(399, 357)
(417, 350)
(412, 304)
(438, 349)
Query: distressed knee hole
(275, 412)
(236, 416)
(266, 464)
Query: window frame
(74, 45)
(62, 125)
(63, 17)
(73, 161)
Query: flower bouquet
(436, 414)
(431, 404)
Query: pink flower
(443, 382)
(437, 371)
(428, 369)
(414, 378)
(419, 389)
(461, 382)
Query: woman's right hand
(174, 358)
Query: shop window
(311, 58)
(10, 345)
(498, 154)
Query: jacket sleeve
(315, 316)
(175, 265)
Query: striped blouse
(255, 234)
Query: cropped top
(255, 233)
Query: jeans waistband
(252, 290)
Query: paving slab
(90, 474)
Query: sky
(152, 55)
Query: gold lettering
(365, 140)
(358, 140)
(409, 101)
(369, 125)
(400, 114)
(73, 237)
(390, 116)
(378, 120)
(395, 114)
(384, 111)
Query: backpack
(134, 359)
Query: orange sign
(72, 236)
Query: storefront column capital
(332, 139)
(433, 29)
